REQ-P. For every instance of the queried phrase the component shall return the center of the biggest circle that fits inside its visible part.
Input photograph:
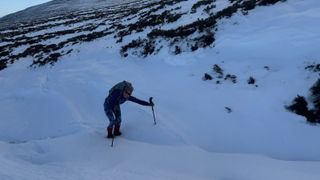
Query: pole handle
(154, 117)
(150, 100)
(112, 141)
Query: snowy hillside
(221, 73)
(57, 8)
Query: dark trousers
(114, 115)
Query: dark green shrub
(315, 95)
(251, 80)
(313, 67)
(269, 2)
(207, 77)
(177, 50)
(217, 69)
(300, 107)
(248, 5)
(232, 78)
(199, 4)
(3, 64)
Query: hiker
(119, 94)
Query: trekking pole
(154, 117)
(112, 141)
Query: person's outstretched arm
(139, 101)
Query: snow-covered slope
(55, 8)
(52, 123)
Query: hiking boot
(117, 130)
(110, 135)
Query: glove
(150, 102)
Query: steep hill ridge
(55, 8)
(44, 39)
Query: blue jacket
(116, 98)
